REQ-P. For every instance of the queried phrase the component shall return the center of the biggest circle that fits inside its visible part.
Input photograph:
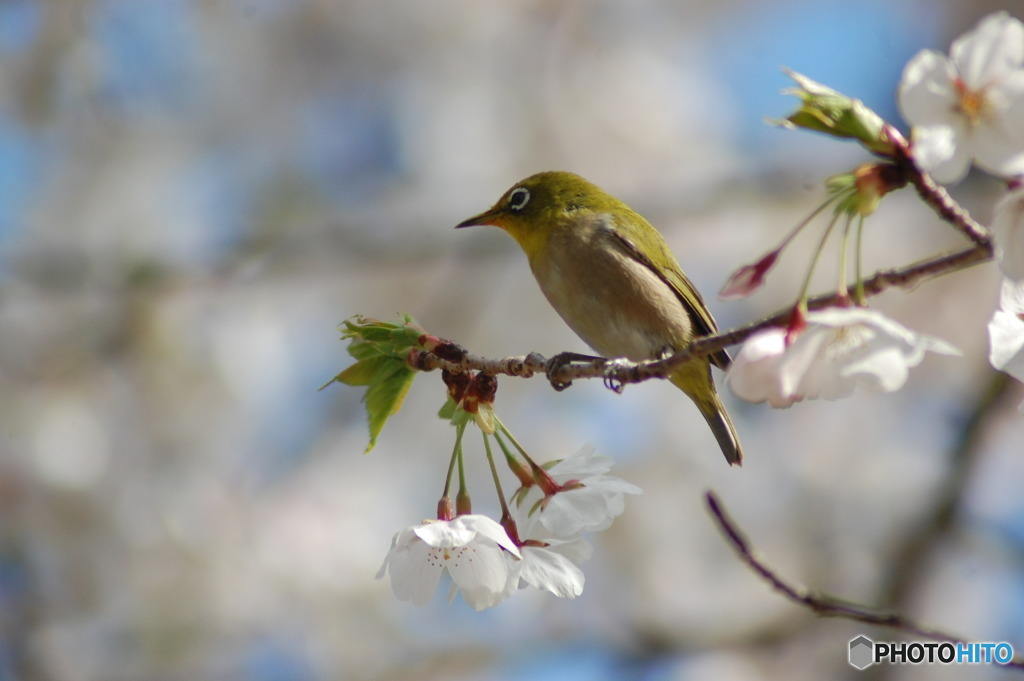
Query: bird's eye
(519, 197)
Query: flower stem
(494, 474)
(456, 456)
(803, 223)
(842, 291)
(859, 294)
(817, 255)
(518, 468)
(514, 441)
(462, 502)
(540, 475)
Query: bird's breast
(616, 304)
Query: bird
(612, 278)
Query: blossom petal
(926, 92)
(802, 359)
(941, 150)
(998, 146)
(415, 572)
(1011, 297)
(462, 530)
(548, 568)
(885, 370)
(754, 373)
(480, 572)
(993, 49)
(583, 509)
(584, 462)
(445, 534)
(1006, 342)
(489, 528)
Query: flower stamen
(974, 105)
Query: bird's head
(533, 208)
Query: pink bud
(748, 278)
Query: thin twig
(820, 603)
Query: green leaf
(385, 395)
(364, 371)
(380, 349)
(384, 337)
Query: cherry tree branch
(823, 604)
(618, 372)
(934, 194)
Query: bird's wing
(689, 296)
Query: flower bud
(865, 186)
(457, 384)
(823, 109)
(748, 278)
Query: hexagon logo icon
(862, 652)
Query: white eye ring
(518, 198)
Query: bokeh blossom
(1006, 331)
(1008, 234)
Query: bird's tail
(695, 380)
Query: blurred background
(194, 193)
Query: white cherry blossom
(585, 498)
(969, 106)
(839, 350)
(469, 547)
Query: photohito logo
(864, 652)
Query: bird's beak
(489, 217)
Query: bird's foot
(610, 368)
(561, 360)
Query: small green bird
(612, 278)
